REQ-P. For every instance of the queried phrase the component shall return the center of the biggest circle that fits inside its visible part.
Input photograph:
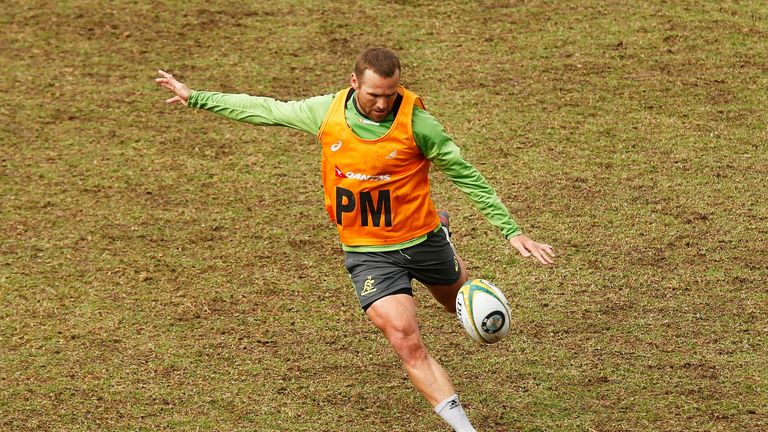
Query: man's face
(374, 94)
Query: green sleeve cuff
(192, 101)
(515, 232)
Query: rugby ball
(483, 311)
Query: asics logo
(336, 146)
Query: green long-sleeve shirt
(307, 115)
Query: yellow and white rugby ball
(483, 311)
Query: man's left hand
(527, 247)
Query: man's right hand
(167, 81)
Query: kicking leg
(446, 294)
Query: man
(377, 143)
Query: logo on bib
(359, 176)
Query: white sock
(452, 412)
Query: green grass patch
(164, 269)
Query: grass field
(166, 269)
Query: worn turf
(165, 269)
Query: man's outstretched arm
(305, 115)
(440, 149)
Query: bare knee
(408, 345)
(395, 316)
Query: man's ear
(353, 81)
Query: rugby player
(378, 142)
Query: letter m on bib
(368, 208)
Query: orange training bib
(376, 191)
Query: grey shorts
(379, 274)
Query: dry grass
(164, 269)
